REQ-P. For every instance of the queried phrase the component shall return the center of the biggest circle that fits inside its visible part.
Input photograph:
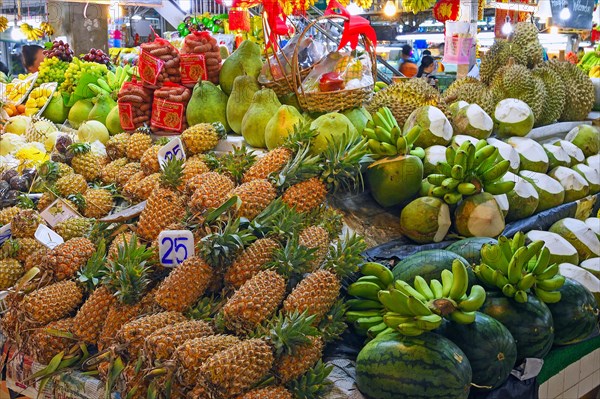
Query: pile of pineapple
(247, 315)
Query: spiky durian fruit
(10, 271)
(580, 96)
(25, 223)
(47, 341)
(71, 184)
(497, 57)
(110, 171)
(202, 137)
(98, 202)
(184, 285)
(555, 94)
(403, 98)
(116, 146)
(52, 302)
(472, 91)
(526, 36)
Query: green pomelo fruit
(575, 185)
(329, 127)
(281, 125)
(239, 101)
(103, 104)
(17, 124)
(425, 220)
(91, 131)
(207, 105)
(479, 216)
(551, 193)
(561, 250)
(359, 118)
(532, 155)
(80, 112)
(56, 110)
(435, 127)
(245, 60)
(579, 235)
(586, 137)
(396, 180)
(513, 117)
(113, 122)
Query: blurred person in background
(426, 70)
(32, 56)
(407, 65)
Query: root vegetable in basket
(204, 43)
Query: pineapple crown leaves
(328, 218)
(80, 148)
(49, 171)
(91, 274)
(313, 384)
(220, 248)
(343, 162)
(77, 199)
(302, 167)
(292, 259)
(219, 129)
(161, 141)
(211, 160)
(25, 202)
(127, 274)
(10, 248)
(344, 256)
(300, 136)
(287, 332)
(277, 220)
(143, 129)
(205, 309)
(236, 162)
(334, 323)
(172, 173)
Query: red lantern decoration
(446, 10)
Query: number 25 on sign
(172, 150)
(175, 246)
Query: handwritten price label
(172, 150)
(57, 212)
(5, 233)
(175, 246)
(48, 237)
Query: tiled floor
(575, 381)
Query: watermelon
(576, 315)
(429, 366)
(529, 323)
(494, 354)
(470, 248)
(429, 265)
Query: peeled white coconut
(551, 193)
(433, 156)
(556, 156)
(531, 153)
(592, 265)
(575, 185)
(506, 151)
(457, 106)
(11, 142)
(594, 162)
(17, 124)
(503, 203)
(435, 127)
(586, 137)
(579, 235)
(91, 131)
(591, 175)
(523, 199)
(513, 117)
(458, 140)
(594, 224)
(574, 152)
(472, 120)
(479, 216)
(582, 276)
(425, 220)
(561, 250)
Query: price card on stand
(172, 150)
(58, 211)
(48, 237)
(175, 246)
(5, 233)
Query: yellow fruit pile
(595, 71)
(37, 99)
(18, 88)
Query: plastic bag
(168, 109)
(340, 71)
(159, 63)
(200, 59)
(135, 105)
(310, 52)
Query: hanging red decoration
(239, 19)
(354, 26)
(446, 10)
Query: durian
(525, 35)
(497, 57)
(555, 95)
(580, 96)
(472, 91)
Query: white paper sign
(5, 233)
(175, 246)
(57, 212)
(172, 150)
(48, 237)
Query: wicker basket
(333, 100)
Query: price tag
(57, 212)
(5, 233)
(173, 149)
(126, 116)
(175, 246)
(48, 237)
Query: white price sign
(5, 233)
(172, 150)
(175, 246)
(57, 212)
(48, 237)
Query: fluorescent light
(514, 6)
(507, 29)
(565, 13)
(554, 30)
(390, 8)
(16, 34)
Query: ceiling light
(390, 9)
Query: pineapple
(84, 162)
(306, 195)
(161, 344)
(274, 392)
(25, 223)
(145, 187)
(25, 247)
(193, 167)
(318, 292)
(116, 146)
(291, 366)
(88, 323)
(52, 302)
(184, 285)
(165, 205)
(38, 259)
(202, 137)
(67, 258)
(119, 241)
(74, 227)
(130, 187)
(71, 184)
(138, 143)
(7, 214)
(98, 202)
(109, 172)
(318, 238)
(126, 172)
(255, 196)
(149, 160)
(250, 262)
(212, 191)
(11, 270)
(47, 341)
(272, 162)
(9, 249)
(64, 169)
(233, 164)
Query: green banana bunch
(516, 268)
(412, 310)
(386, 138)
(468, 170)
(379, 86)
(111, 84)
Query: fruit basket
(329, 101)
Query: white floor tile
(572, 393)
(589, 383)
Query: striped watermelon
(489, 346)
(529, 323)
(429, 265)
(429, 366)
(470, 248)
(576, 315)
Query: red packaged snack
(135, 105)
(168, 109)
(159, 63)
(200, 43)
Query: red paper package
(135, 105)
(168, 109)
(159, 63)
(198, 44)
